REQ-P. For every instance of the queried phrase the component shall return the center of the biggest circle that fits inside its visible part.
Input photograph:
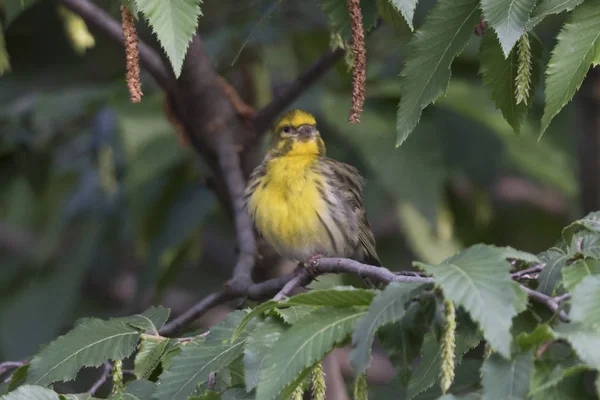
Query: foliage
(100, 191)
(280, 352)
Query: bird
(305, 204)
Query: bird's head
(296, 134)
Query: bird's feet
(311, 265)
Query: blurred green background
(103, 211)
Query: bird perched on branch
(305, 204)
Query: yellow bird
(305, 204)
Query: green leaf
(151, 320)
(392, 16)
(197, 361)
(339, 296)
(387, 307)
(539, 335)
(18, 377)
(478, 279)
(303, 345)
(555, 260)
(574, 273)
(584, 330)
(499, 74)
(546, 378)
(590, 222)
(445, 32)
(237, 393)
(4, 58)
(428, 371)
(89, 344)
(260, 342)
(29, 392)
(577, 46)
(137, 390)
(548, 7)
(507, 379)
(148, 357)
(508, 18)
(174, 23)
(339, 18)
(406, 8)
(293, 314)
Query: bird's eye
(287, 129)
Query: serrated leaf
(77, 396)
(151, 320)
(406, 9)
(548, 7)
(148, 357)
(584, 330)
(387, 307)
(29, 392)
(546, 378)
(507, 379)
(137, 390)
(403, 340)
(196, 361)
(207, 395)
(590, 222)
(90, 343)
(508, 18)
(445, 32)
(260, 342)
(174, 23)
(499, 74)
(4, 58)
(578, 44)
(339, 18)
(428, 371)
(549, 278)
(392, 16)
(303, 345)
(340, 296)
(18, 377)
(574, 273)
(585, 244)
(293, 314)
(478, 279)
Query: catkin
(360, 60)
(360, 388)
(523, 78)
(132, 56)
(448, 346)
(318, 382)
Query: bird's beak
(306, 132)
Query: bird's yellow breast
(287, 203)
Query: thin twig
(551, 302)
(301, 279)
(265, 117)
(106, 369)
(524, 274)
(8, 365)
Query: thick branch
(100, 19)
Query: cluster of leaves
(496, 344)
(510, 53)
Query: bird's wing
(350, 182)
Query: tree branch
(106, 369)
(282, 286)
